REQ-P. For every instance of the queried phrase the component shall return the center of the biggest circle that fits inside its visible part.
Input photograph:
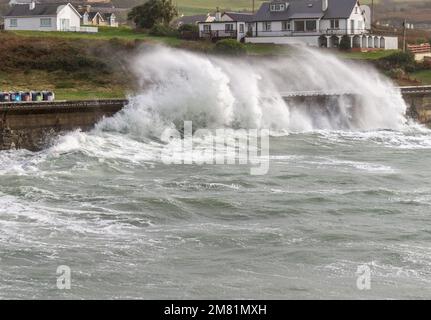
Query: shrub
(188, 31)
(345, 43)
(188, 28)
(230, 47)
(400, 59)
(396, 73)
(162, 30)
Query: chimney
(32, 5)
(218, 15)
(325, 5)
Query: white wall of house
(66, 16)
(391, 43)
(356, 23)
(297, 40)
(39, 23)
(284, 28)
(329, 26)
(239, 29)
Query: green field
(189, 7)
(372, 55)
(423, 76)
(105, 33)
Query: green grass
(372, 55)
(105, 33)
(191, 7)
(423, 76)
(261, 49)
(204, 6)
(64, 89)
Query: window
(356, 10)
(228, 27)
(45, 22)
(277, 7)
(207, 28)
(311, 25)
(285, 25)
(335, 24)
(267, 26)
(241, 28)
(360, 25)
(299, 26)
(13, 23)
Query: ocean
(342, 212)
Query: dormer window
(278, 7)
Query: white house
(226, 25)
(44, 17)
(99, 19)
(321, 23)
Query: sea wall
(419, 106)
(32, 125)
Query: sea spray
(240, 93)
(214, 92)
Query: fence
(420, 48)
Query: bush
(399, 60)
(188, 28)
(162, 30)
(345, 43)
(230, 47)
(188, 32)
(397, 73)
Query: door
(64, 24)
(352, 26)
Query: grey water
(132, 227)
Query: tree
(153, 12)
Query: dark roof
(191, 19)
(107, 15)
(240, 16)
(91, 15)
(40, 9)
(23, 10)
(340, 8)
(306, 9)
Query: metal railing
(82, 29)
(219, 34)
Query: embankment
(32, 125)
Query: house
(99, 19)
(227, 25)
(420, 51)
(195, 19)
(320, 23)
(44, 17)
